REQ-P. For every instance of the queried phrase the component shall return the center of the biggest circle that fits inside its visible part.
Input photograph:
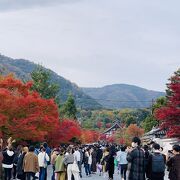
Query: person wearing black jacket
(110, 162)
(156, 164)
(7, 163)
(17, 153)
(146, 158)
(20, 171)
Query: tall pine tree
(69, 108)
(43, 85)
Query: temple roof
(116, 125)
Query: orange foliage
(89, 136)
(133, 130)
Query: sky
(95, 42)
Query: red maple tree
(24, 115)
(169, 116)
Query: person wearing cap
(174, 164)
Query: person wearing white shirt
(43, 158)
(123, 162)
(77, 156)
(117, 158)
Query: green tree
(150, 121)
(69, 108)
(161, 101)
(43, 85)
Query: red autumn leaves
(26, 116)
(169, 116)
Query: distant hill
(22, 69)
(123, 96)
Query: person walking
(30, 163)
(94, 162)
(59, 166)
(174, 164)
(146, 159)
(135, 158)
(7, 162)
(122, 160)
(20, 169)
(77, 156)
(72, 167)
(81, 161)
(110, 162)
(1, 158)
(54, 155)
(85, 160)
(156, 164)
(43, 160)
(104, 161)
(15, 160)
(99, 155)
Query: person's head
(62, 151)
(42, 149)
(10, 148)
(145, 147)
(31, 149)
(136, 142)
(123, 148)
(37, 146)
(156, 146)
(151, 144)
(55, 151)
(176, 149)
(25, 149)
(45, 144)
(69, 150)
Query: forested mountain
(123, 96)
(112, 96)
(22, 69)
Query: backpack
(158, 164)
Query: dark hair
(45, 144)
(146, 147)
(42, 148)
(161, 148)
(123, 148)
(31, 149)
(176, 148)
(37, 146)
(62, 151)
(156, 146)
(136, 140)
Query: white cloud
(96, 42)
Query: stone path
(95, 176)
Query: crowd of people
(133, 162)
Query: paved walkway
(94, 176)
(116, 177)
